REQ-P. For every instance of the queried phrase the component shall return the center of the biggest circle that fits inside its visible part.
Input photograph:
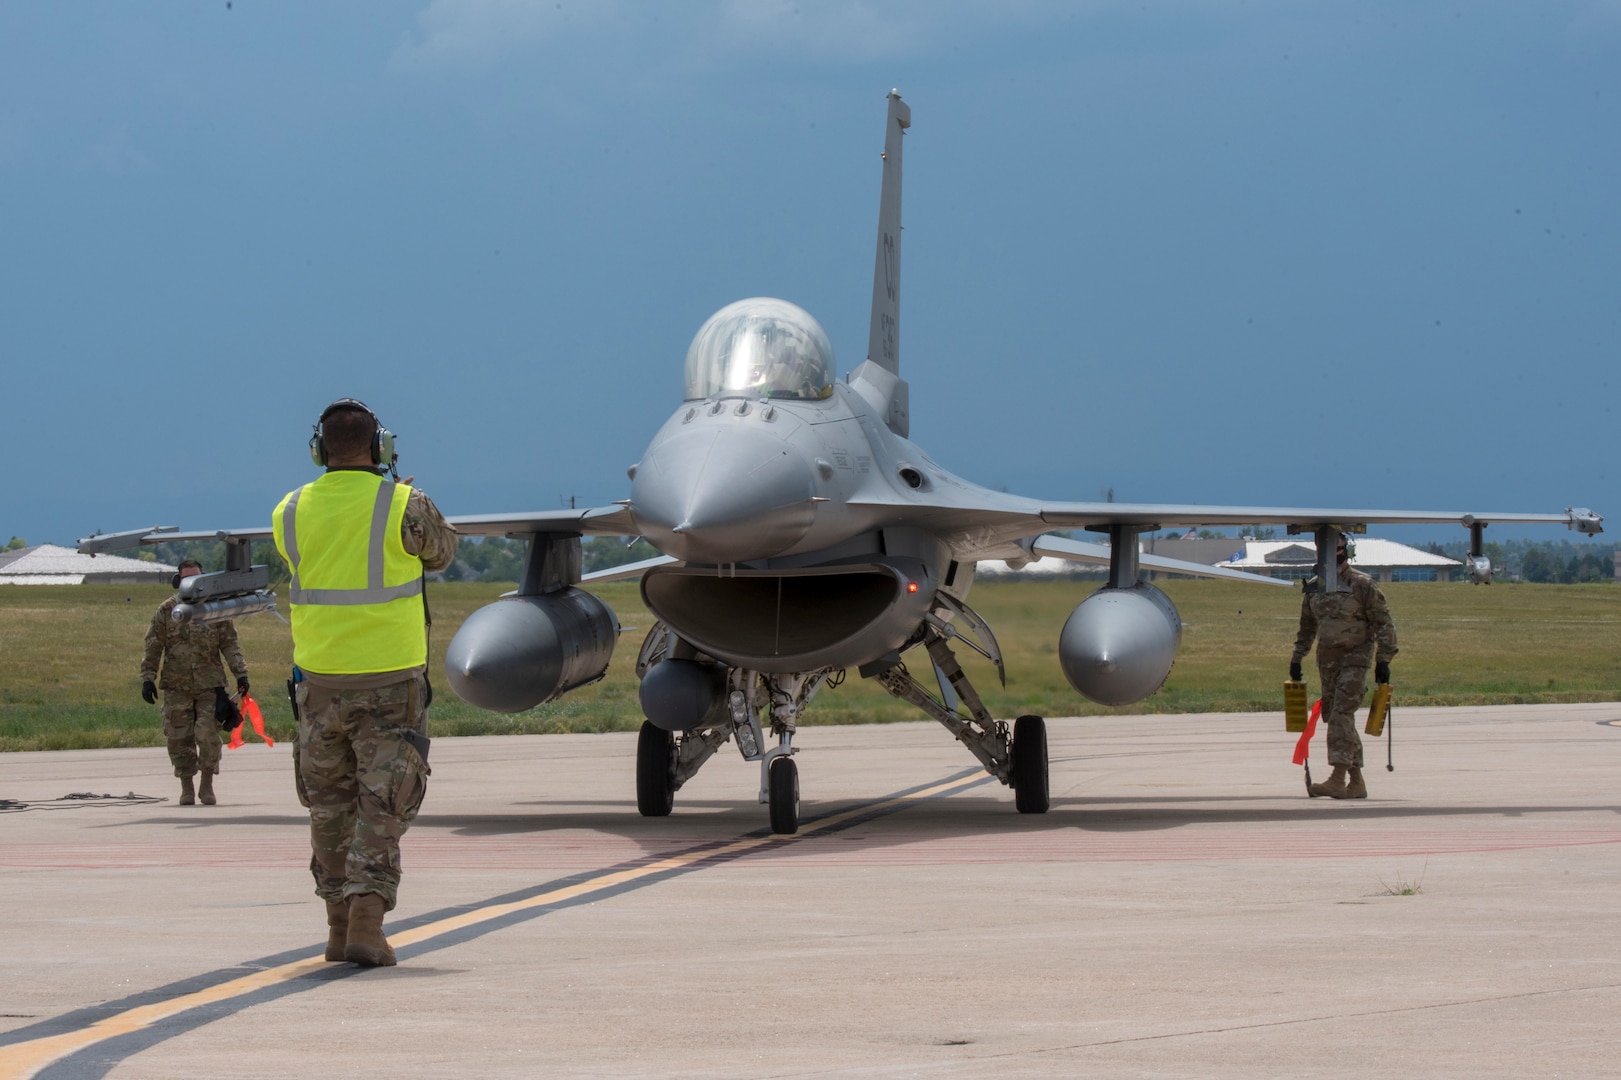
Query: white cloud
(837, 29)
(858, 30)
(475, 34)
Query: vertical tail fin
(883, 336)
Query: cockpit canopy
(760, 346)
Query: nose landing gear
(782, 793)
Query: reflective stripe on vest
(354, 590)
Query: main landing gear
(655, 771)
(1017, 758)
(1029, 769)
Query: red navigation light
(911, 586)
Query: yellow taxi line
(25, 1059)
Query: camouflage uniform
(360, 757)
(1353, 631)
(190, 653)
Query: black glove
(225, 710)
(1295, 673)
(242, 684)
(149, 692)
(1381, 672)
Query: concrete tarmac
(1184, 910)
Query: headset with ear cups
(175, 580)
(382, 442)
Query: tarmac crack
(1365, 1014)
(913, 1067)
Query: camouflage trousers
(192, 732)
(359, 767)
(1344, 679)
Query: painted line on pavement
(89, 1043)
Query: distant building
(1191, 549)
(47, 564)
(1385, 560)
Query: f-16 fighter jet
(804, 538)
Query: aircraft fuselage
(741, 478)
(791, 519)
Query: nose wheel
(655, 771)
(782, 784)
(1029, 771)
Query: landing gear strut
(665, 761)
(1017, 758)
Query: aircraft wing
(1145, 515)
(984, 524)
(596, 521)
(1061, 547)
(629, 570)
(163, 534)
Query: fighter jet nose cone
(723, 494)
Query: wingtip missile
(101, 543)
(230, 607)
(1585, 521)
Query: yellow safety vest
(356, 592)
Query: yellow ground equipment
(1378, 709)
(1294, 706)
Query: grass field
(70, 657)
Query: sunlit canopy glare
(760, 346)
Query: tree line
(1547, 562)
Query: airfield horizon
(69, 656)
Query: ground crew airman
(1353, 630)
(192, 681)
(357, 543)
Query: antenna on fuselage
(883, 335)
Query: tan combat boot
(1357, 788)
(188, 794)
(205, 789)
(1334, 786)
(337, 928)
(366, 944)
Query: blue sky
(1216, 252)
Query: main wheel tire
(655, 771)
(1030, 765)
(782, 782)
